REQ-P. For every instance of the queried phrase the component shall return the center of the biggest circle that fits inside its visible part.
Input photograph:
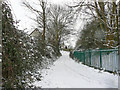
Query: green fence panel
(76, 55)
(103, 58)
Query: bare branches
(40, 14)
(30, 7)
(107, 14)
(59, 22)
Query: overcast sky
(21, 13)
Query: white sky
(22, 13)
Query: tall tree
(41, 17)
(107, 13)
(60, 23)
(40, 14)
(91, 36)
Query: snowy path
(66, 73)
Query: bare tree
(60, 23)
(108, 15)
(40, 14)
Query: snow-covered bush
(22, 55)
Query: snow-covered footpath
(66, 73)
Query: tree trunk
(99, 18)
(44, 25)
(43, 8)
(57, 42)
(102, 19)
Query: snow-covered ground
(66, 73)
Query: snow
(66, 73)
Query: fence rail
(106, 59)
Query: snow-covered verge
(66, 73)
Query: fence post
(100, 59)
(84, 57)
(90, 56)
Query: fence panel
(110, 60)
(103, 59)
(87, 58)
(95, 61)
